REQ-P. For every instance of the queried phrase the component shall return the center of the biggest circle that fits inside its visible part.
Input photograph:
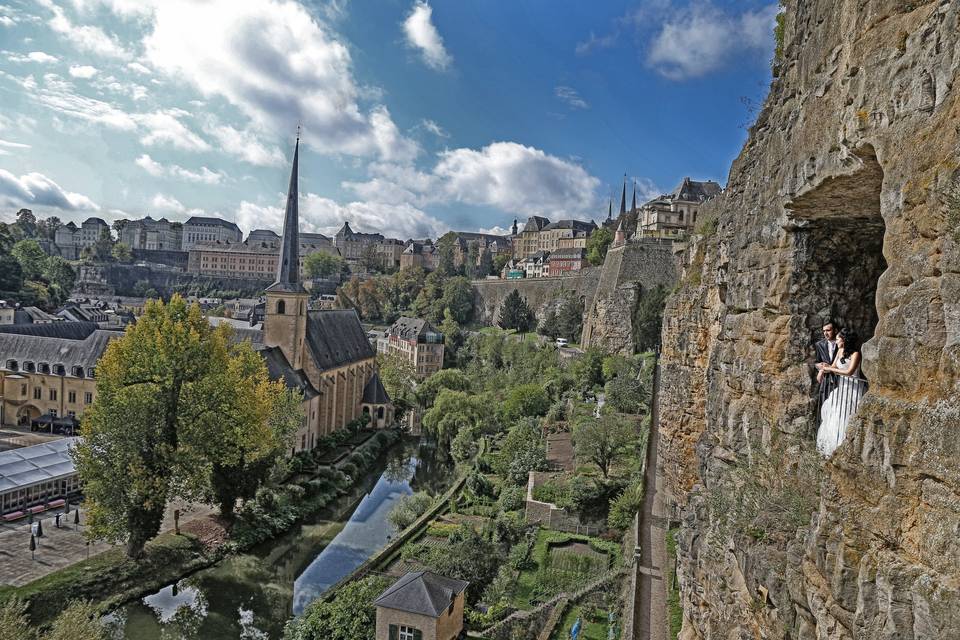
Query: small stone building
(421, 606)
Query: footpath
(650, 607)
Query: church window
(281, 307)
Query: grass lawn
(589, 629)
(675, 610)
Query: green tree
(587, 369)
(626, 394)
(370, 259)
(60, 273)
(525, 400)
(452, 379)
(122, 253)
(605, 439)
(119, 225)
(321, 265)
(349, 616)
(408, 508)
(31, 257)
(6, 238)
(500, 262)
(648, 318)
(11, 275)
(79, 621)
(570, 318)
(161, 406)
(446, 265)
(26, 225)
(453, 338)
(452, 411)
(516, 314)
(464, 445)
(472, 260)
(486, 266)
(468, 555)
(597, 245)
(458, 298)
(550, 327)
(399, 379)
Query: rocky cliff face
(844, 202)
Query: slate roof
(29, 315)
(409, 328)
(576, 225)
(374, 393)
(208, 220)
(63, 329)
(694, 191)
(70, 353)
(280, 369)
(569, 254)
(421, 592)
(536, 223)
(335, 338)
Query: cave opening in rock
(838, 241)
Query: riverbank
(110, 579)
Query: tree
(500, 262)
(26, 225)
(458, 298)
(61, 276)
(603, 440)
(452, 379)
(31, 257)
(525, 400)
(485, 268)
(11, 275)
(587, 369)
(166, 393)
(516, 314)
(119, 225)
(550, 327)
(597, 245)
(79, 621)
(626, 394)
(468, 555)
(349, 616)
(399, 379)
(370, 259)
(121, 253)
(648, 318)
(322, 265)
(451, 411)
(446, 265)
(6, 238)
(408, 508)
(570, 317)
(453, 338)
(472, 261)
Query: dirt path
(650, 609)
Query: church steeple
(288, 262)
(623, 196)
(633, 207)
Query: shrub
(512, 498)
(624, 507)
(406, 511)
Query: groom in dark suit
(826, 350)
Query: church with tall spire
(325, 354)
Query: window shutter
(393, 632)
(417, 634)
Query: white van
(561, 342)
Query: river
(250, 596)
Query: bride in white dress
(847, 387)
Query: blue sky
(416, 117)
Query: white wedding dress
(840, 404)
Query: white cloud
(496, 231)
(138, 68)
(154, 168)
(34, 56)
(245, 145)
(165, 128)
(170, 204)
(36, 189)
(278, 65)
(570, 97)
(505, 175)
(700, 39)
(7, 21)
(85, 37)
(421, 34)
(83, 71)
(6, 145)
(434, 128)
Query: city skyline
(184, 111)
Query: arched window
(380, 413)
(281, 307)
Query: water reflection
(251, 596)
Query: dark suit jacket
(822, 349)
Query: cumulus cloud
(570, 97)
(278, 65)
(34, 56)
(246, 145)
(701, 39)
(323, 215)
(36, 189)
(505, 175)
(156, 169)
(83, 71)
(85, 37)
(165, 128)
(169, 204)
(422, 35)
(138, 68)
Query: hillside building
(71, 239)
(251, 260)
(540, 234)
(199, 229)
(148, 234)
(674, 215)
(416, 342)
(420, 253)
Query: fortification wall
(539, 292)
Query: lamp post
(76, 518)
(33, 547)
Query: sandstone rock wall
(839, 204)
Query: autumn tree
(167, 390)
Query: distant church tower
(623, 197)
(285, 322)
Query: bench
(40, 508)
(14, 515)
(56, 503)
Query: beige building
(415, 341)
(325, 354)
(420, 254)
(49, 372)
(541, 235)
(207, 229)
(71, 239)
(674, 214)
(254, 260)
(152, 235)
(421, 606)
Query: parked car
(561, 342)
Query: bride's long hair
(851, 342)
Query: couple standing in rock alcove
(841, 383)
